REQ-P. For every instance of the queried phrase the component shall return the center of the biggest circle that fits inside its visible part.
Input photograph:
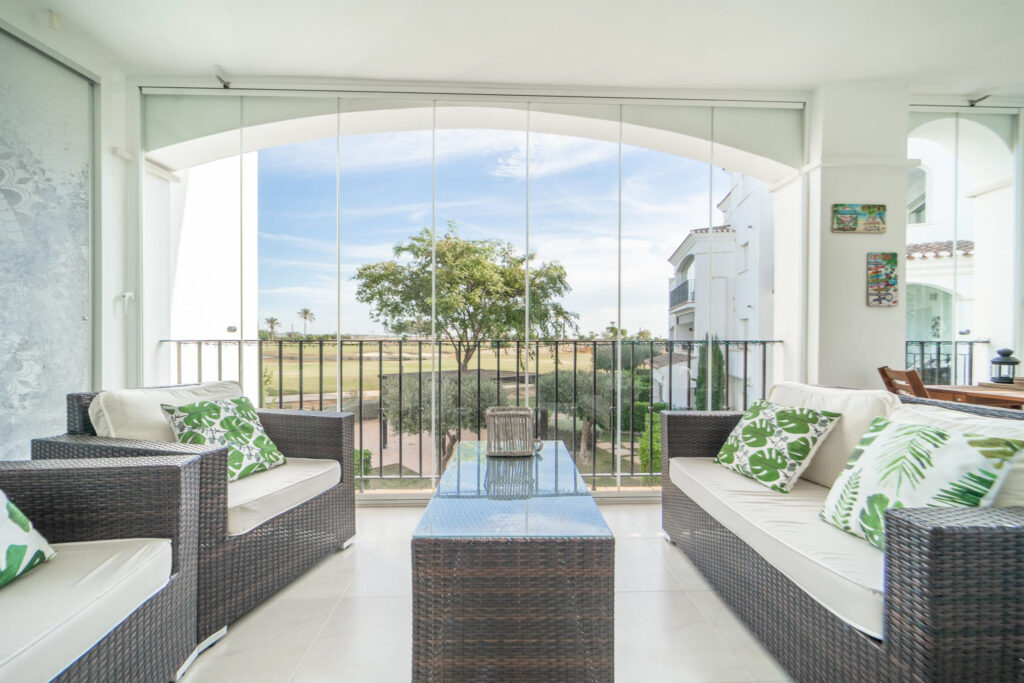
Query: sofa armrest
(312, 434)
(694, 434)
(99, 499)
(954, 589)
(75, 447)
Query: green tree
(717, 379)
(649, 447)
(411, 412)
(480, 287)
(272, 325)
(592, 411)
(307, 317)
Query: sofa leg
(347, 543)
(664, 534)
(209, 642)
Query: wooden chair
(906, 382)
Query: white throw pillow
(21, 547)
(137, 413)
(858, 408)
(903, 465)
(1012, 492)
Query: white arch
(682, 131)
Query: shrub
(650, 444)
(364, 461)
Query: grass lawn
(385, 360)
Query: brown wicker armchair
(97, 499)
(237, 573)
(954, 589)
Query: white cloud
(368, 252)
(554, 154)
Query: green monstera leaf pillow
(899, 465)
(21, 547)
(773, 444)
(230, 422)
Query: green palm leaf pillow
(899, 465)
(22, 547)
(230, 422)
(773, 444)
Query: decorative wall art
(882, 284)
(862, 218)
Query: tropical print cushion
(230, 422)
(23, 547)
(773, 444)
(898, 465)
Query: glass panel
(45, 194)
(574, 288)
(481, 194)
(753, 150)
(665, 197)
(193, 232)
(386, 192)
(289, 250)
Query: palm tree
(272, 325)
(307, 317)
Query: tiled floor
(349, 618)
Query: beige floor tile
(758, 662)
(385, 571)
(664, 637)
(686, 574)
(365, 639)
(639, 568)
(620, 521)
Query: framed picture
(859, 218)
(882, 278)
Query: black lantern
(1004, 366)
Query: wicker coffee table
(512, 573)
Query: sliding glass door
(416, 261)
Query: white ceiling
(955, 47)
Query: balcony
(571, 384)
(681, 294)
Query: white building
(722, 286)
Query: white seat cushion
(256, 498)
(858, 408)
(1011, 493)
(136, 413)
(62, 608)
(842, 572)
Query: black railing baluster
(280, 374)
(745, 353)
(497, 361)
(671, 368)
(361, 401)
(478, 398)
(301, 363)
(517, 372)
(575, 449)
(764, 369)
(726, 379)
(593, 418)
(419, 402)
(458, 392)
(199, 362)
(689, 371)
(220, 360)
(401, 407)
(633, 367)
(382, 437)
(320, 375)
(555, 407)
(259, 369)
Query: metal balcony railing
(681, 294)
(401, 412)
(938, 363)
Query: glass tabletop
(542, 495)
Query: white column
(857, 154)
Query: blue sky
(386, 196)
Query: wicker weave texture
(954, 606)
(153, 497)
(512, 609)
(237, 573)
(510, 431)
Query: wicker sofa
(238, 568)
(953, 602)
(85, 614)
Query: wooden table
(1000, 398)
(513, 573)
